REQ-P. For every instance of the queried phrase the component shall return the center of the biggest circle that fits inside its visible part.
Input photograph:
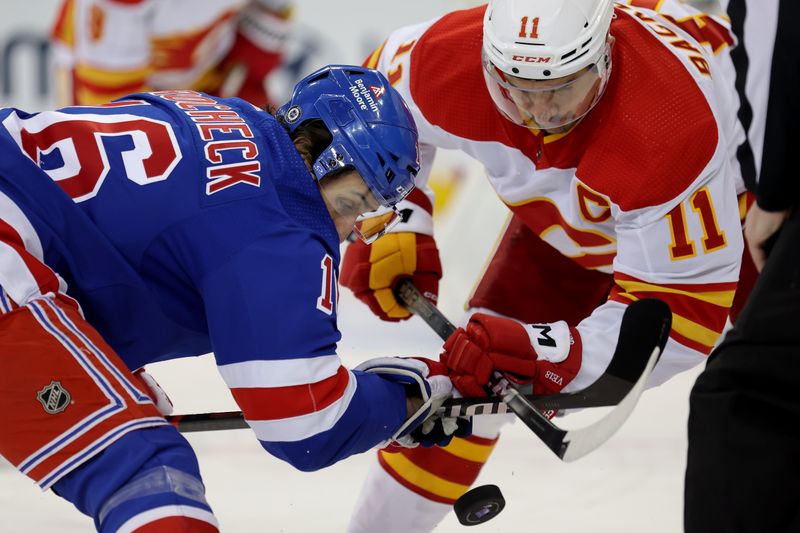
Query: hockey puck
(479, 505)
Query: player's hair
(311, 139)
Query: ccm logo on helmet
(531, 59)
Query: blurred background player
(105, 49)
(610, 132)
(168, 224)
(742, 474)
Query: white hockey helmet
(560, 41)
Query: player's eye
(346, 206)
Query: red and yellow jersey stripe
(699, 311)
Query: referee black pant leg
(743, 464)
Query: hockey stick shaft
(644, 330)
(409, 295)
(208, 421)
(610, 389)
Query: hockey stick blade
(643, 334)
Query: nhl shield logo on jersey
(54, 398)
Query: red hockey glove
(154, 390)
(257, 51)
(546, 355)
(371, 271)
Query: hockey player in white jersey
(105, 49)
(607, 129)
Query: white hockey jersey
(644, 188)
(105, 49)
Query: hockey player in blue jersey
(172, 224)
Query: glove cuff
(415, 374)
(417, 214)
(552, 342)
(155, 392)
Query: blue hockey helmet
(372, 129)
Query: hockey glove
(257, 50)
(548, 356)
(154, 390)
(427, 387)
(371, 272)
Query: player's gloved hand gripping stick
(643, 333)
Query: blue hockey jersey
(184, 224)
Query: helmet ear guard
(372, 129)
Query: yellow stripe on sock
(471, 451)
(424, 479)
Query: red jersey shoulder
(648, 139)
(446, 78)
(653, 132)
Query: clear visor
(552, 105)
(373, 224)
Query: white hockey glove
(425, 380)
(154, 390)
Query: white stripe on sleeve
(279, 373)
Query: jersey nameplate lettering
(669, 36)
(226, 140)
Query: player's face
(552, 105)
(347, 197)
(555, 104)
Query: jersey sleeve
(393, 58)
(272, 318)
(687, 254)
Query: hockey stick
(208, 421)
(645, 327)
(643, 334)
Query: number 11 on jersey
(682, 247)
